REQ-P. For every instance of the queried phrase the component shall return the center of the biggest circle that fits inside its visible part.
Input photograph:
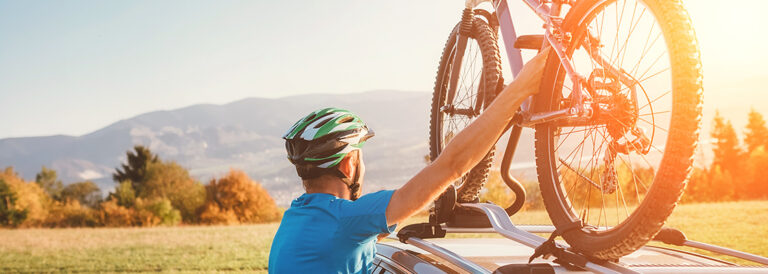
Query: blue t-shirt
(321, 233)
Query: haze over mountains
(246, 134)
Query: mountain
(246, 134)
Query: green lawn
(739, 225)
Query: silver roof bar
(501, 224)
(726, 251)
(549, 229)
(504, 226)
(446, 254)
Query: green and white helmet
(324, 137)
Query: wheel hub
(621, 116)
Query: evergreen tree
(726, 145)
(135, 170)
(727, 158)
(757, 164)
(49, 181)
(756, 132)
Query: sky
(72, 67)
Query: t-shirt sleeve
(366, 217)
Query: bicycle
(597, 110)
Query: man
(328, 229)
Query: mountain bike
(616, 119)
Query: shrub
(86, 193)
(212, 214)
(71, 214)
(235, 198)
(113, 215)
(124, 194)
(162, 210)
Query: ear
(348, 165)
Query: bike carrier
(501, 224)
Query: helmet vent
(345, 119)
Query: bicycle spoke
(631, 30)
(655, 99)
(655, 113)
(646, 48)
(658, 127)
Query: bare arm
(456, 159)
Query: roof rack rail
(504, 226)
(501, 224)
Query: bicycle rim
(583, 173)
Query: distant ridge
(246, 134)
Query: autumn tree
(756, 134)
(135, 168)
(49, 181)
(30, 197)
(152, 179)
(86, 193)
(235, 198)
(9, 213)
(172, 181)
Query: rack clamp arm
(563, 255)
(421, 230)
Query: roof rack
(501, 224)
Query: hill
(246, 134)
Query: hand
(529, 79)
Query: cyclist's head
(328, 142)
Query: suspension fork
(465, 28)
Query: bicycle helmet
(317, 143)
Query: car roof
(492, 253)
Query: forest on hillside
(149, 192)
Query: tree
(726, 144)
(135, 169)
(722, 185)
(757, 164)
(170, 180)
(49, 181)
(9, 214)
(124, 194)
(86, 193)
(30, 197)
(235, 198)
(756, 131)
(699, 186)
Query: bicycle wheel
(478, 77)
(621, 172)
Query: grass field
(739, 225)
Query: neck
(328, 184)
